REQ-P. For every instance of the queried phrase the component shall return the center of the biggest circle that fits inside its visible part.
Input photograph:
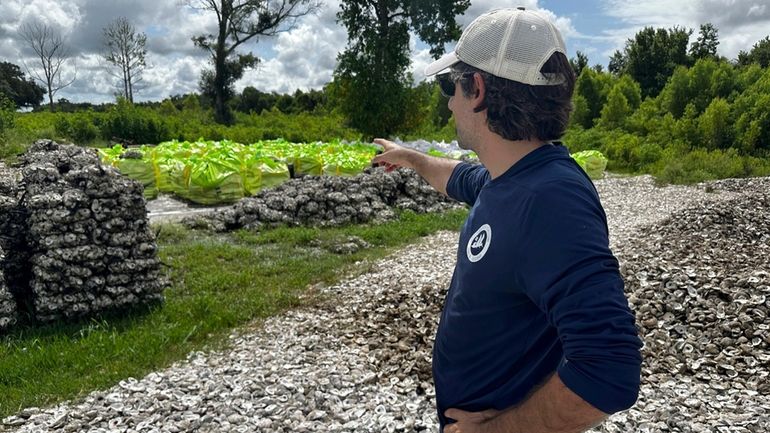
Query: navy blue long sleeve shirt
(536, 290)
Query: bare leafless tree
(51, 52)
(239, 21)
(126, 49)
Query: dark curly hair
(518, 111)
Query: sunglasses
(447, 80)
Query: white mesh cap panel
(562, 48)
(480, 43)
(512, 44)
(529, 46)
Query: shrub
(83, 129)
(589, 85)
(616, 110)
(630, 90)
(701, 165)
(62, 125)
(7, 113)
(715, 126)
(649, 153)
(578, 139)
(623, 151)
(581, 113)
(128, 123)
(687, 126)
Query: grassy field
(219, 282)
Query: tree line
(371, 86)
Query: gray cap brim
(441, 64)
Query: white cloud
(183, 77)
(14, 14)
(62, 15)
(174, 26)
(9, 16)
(168, 25)
(305, 57)
(91, 77)
(421, 58)
(741, 23)
(757, 10)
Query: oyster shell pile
(330, 201)
(88, 245)
(699, 282)
(700, 285)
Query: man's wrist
(506, 421)
(413, 158)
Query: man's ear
(479, 96)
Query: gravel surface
(361, 362)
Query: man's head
(513, 62)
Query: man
(536, 334)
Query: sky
(304, 56)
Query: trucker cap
(508, 43)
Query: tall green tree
(759, 54)
(752, 125)
(581, 114)
(618, 62)
(715, 125)
(687, 126)
(373, 83)
(616, 110)
(126, 49)
(706, 44)
(709, 78)
(653, 54)
(631, 90)
(677, 94)
(590, 86)
(238, 22)
(7, 114)
(578, 62)
(21, 91)
(252, 99)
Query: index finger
(386, 144)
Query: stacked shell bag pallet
(8, 314)
(89, 242)
(13, 256)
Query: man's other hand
(470, 422)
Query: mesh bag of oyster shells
(7, 303)
(12, 252)
(88, 235)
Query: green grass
(220, 282)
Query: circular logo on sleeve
(478, 244)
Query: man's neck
(498, 154)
